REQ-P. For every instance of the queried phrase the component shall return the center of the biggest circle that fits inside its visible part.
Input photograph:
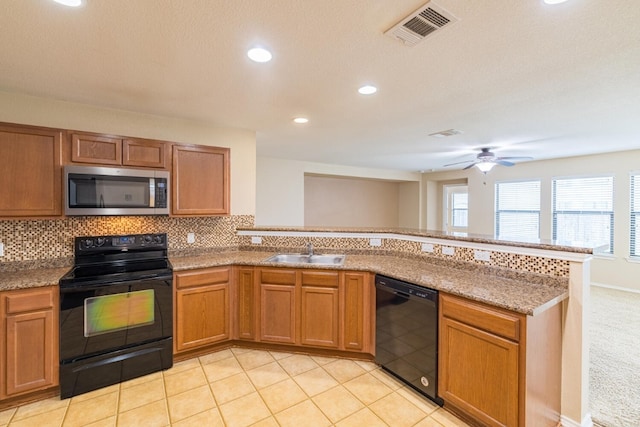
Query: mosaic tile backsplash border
(34, 243)
(501, 260)
(33, 240)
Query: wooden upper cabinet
(118, 151)
(31, 172)
(88, 148)
(151, 154)
(200, 180)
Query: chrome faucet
(310, 249)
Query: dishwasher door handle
(402, 294)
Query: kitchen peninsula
(523, 281)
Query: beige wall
(65, 115)
(614, 270)
(350, 202)
(281, 189)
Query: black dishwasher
(407, 333)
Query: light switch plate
(256, 240)
(191, 238)
(1, 249)
(448, 250)
(427, 247)
(482, 255)
(375, 242)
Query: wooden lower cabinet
(315, 308)
(29, 347)
(488, 372)
(202, 307)
(278, 307)
(320, 308)
(247, 304)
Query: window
(583, 210)
(518, 210)
(457, 208)
(635, 216)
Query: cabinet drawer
(320, 278)
(28, 300)
(278, 277)
(493, 320)
(207, 276)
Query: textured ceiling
(522, 77)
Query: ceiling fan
(486, 160)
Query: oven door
(99, 318)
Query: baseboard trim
(617, 288)
(568, 422)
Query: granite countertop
(520, 295)
(553, 245)
(523, 296)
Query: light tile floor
(241, 387)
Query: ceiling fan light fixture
(485, 166)
(70, 3)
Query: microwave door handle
(152, 192)
(101, 203)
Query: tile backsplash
(33, 240)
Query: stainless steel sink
(324, 259)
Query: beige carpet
(615, 358)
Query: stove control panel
(126, 242)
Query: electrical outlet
(375, 242)
(191, 238)
(448, 250)
(482, 255)
(1, 249)
(427, 247)
(256, 240)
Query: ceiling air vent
(421, 23)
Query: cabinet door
(319, 311)
(247, 307)
(479, 373)
(97, 149)
(200, 180)
(150, 154)
(355, 310)
(31, 172)
(278, 305)
(202, 307)
(202, 316)
(30, 343)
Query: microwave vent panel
(425, 21)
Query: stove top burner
(105, 259)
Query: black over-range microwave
(92, 190)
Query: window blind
(583, 210)
(517, 213)
(460, 209)
(634, 250)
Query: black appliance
(407, 334)
(116, 312)
(94, 190)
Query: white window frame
(448, 191)
(634, 216)
(611, 213)
(498, 211)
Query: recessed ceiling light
(259, 54)
(554, 1)
(368, 90)
(301, 120)
(72, 3)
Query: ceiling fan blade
(514, 158)
(504, 162)
(457, 163)
(470, 166)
